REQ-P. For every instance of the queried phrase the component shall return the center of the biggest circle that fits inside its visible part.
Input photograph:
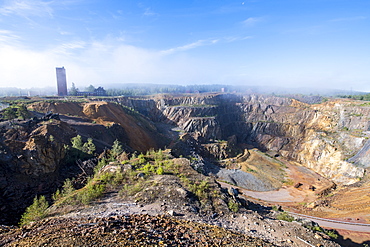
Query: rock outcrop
(31, 157)
(138, 133)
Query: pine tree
(89, 146)
(116, 149)
(36, 211)
(77, 142)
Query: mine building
(100, 91)
(61, 81)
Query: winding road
(282, 195)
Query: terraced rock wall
(322, 137)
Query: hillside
(133, 205)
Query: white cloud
(204, 42)
(65, 32)
(102, 62)
(27, 8)
(69, 48)
(190, 46)
(251, 21)
(355, 18)
(236, 38)
(107, 61)
(23, 68)
(149, 12)
(8, 37)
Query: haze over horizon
(307, 43)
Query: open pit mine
(196, 169)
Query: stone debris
(127, 230)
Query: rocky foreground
(113, 222)
(130, 230)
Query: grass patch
(285, 216)
(288, 182)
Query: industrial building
(61, 81)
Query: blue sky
(290, 43)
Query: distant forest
(126, 90)
(365, 97)
(150, 89)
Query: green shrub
(36, 211)
(233, 206)
(77, 142)
(57, 195)
(116, 150)
(90, 192)
(147, 169)
(331, 233)
(141, 158)
(67, 190)
(160, 170)
(102, 162)
(89, 146)
(285, 216)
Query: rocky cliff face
(31, 157)
(313, 135)
(329, 138)
(138, 133)
(32, 153)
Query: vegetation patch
(233, 206)
(136, 178)
(15, 111)
(36, 211)
(331, 233)
(285, 216)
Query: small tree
(73, 90)
(67, 189)
(116, 149)
(36, 211)
(51, 138)
(77, 142)
(89, 146)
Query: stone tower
(61, 81)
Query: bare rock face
(309, 134)
(323, 137)
(222, 149)
(44, 150)
(37, 150)
(108, 114)
(31, 157)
